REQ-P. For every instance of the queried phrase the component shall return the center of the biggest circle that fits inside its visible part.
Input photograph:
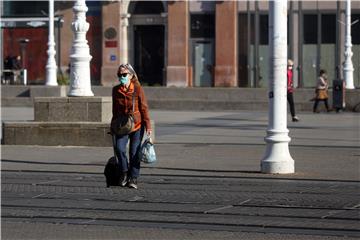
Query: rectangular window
(202, 26)
(355, 29)
(243, 50)
(264, 29)
(328, 28)
(26, 8)
(252, 29)
(310, 29)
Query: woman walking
(321, 91)
(128, 98)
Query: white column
(124, 24)
(80, 83)
(51, 78)
(124, 51)
(277, 157)
(348, 65)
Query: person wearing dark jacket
(290, 90)
(122, 99)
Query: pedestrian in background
(122, 98)
(321, 91)
(11, 64)
(290, 90)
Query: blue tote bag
(147, 151)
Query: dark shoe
(295, 119)
(123, 179)
(132, 183)
(316, 111)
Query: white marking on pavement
(218, 209)
(136, 198)
(331, 213)
(90, 221)
(356, 206)
(245, 201)
(46, 182)
(39, 195)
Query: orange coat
(122, 104)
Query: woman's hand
(148, 132)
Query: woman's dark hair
(322, 71)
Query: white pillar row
(348, 65)
(277, 157)
(51, 78)
(80, 81)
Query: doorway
(258, 50)
(149, 54)
(203, 63)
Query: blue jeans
(131, 166)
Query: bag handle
(148, 137)
(133, 102)
(113, 137)
(133, 99)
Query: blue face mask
(123, 80)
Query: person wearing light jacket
(321, 91)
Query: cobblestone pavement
(205, 185)
(192, 203)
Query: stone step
(56, 133)
(196, 104)
(206, 105)
(59, 133)
(182, 98)
(17, 102)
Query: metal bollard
(24, 76)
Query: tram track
(175, 202)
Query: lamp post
(277, 158)
(80, 84)
(23, 43)
(51, 79)
(348, 65)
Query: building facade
(191, 43)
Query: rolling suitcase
(112, 167)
